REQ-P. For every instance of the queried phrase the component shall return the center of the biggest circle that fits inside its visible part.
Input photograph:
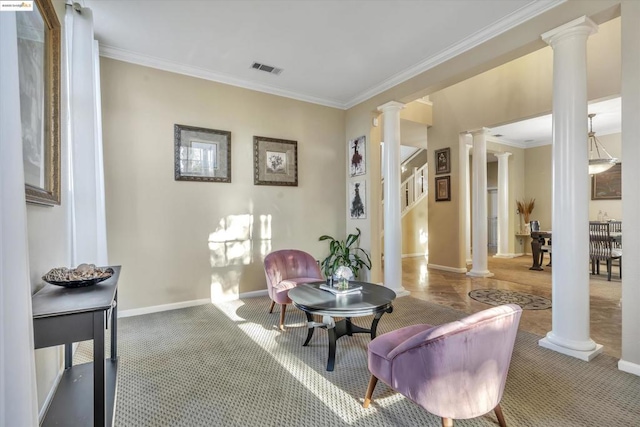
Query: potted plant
(345, 253)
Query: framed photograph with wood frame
(443, 189)
(38, 34)
(275, 161)
(607, 185)
(202, 154)
(443, 161)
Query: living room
(182, 243)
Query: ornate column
(570, 278)
(479, 266)
(503, 205)
(392, 211)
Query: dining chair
(286, 269)
(602, 247)
(457, 370)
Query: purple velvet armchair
(456, 371)
(285, 269)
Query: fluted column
(465, 191)
(392, 210)
(479, 266)
(569, 276)
(503, 205)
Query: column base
(505, 255)
(402, 292)
(586, 355)
(469, 261)
(476, 273)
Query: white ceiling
(538, 131)
(335, 53)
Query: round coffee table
(372, 299)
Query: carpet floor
(229, 365)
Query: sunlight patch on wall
(236, 244)
(224, 286)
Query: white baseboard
(446, 268)
(414, 255)
(182, 304)
(52, 391)
(632, 368)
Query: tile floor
(451, 289)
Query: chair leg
(500, 416)
(609, 266)
(273, 303)
(447, 422)
(283, 309)
(372, 385)
(620, 265)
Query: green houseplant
(345, 252)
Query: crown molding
(513, 20)
(173, 67)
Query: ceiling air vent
(266, 68)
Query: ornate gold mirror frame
(39, 71)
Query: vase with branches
(525, 207)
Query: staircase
(413, 189)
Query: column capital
(481, 131)
(502, 156)
(582, 25)
(469, 147)
(391, 106)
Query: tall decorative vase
(527, 228)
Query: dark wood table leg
(536, 253)
(349, 326)
(311, 328)
(99, 384)
(376, 319)
(332, 348)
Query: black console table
(86, 393)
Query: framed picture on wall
(443, 189)
(607, 185)
(275, 161)
(443, 161)
(358, 200)
(202, 154)
(357, 156)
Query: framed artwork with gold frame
(38, 33)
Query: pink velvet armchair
(286, 269)
(456, 371)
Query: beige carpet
(228, 365)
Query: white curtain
(84, 131)
(18, 398)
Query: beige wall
(538, 173)
(414, 229)
(612, 143)
(180, 241)
(492, 174)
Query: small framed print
(275, 161)
(358, 200)
(443, 161)
(443, 189)
(357, 156)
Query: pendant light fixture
(599, 159)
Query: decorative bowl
(83, 275)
